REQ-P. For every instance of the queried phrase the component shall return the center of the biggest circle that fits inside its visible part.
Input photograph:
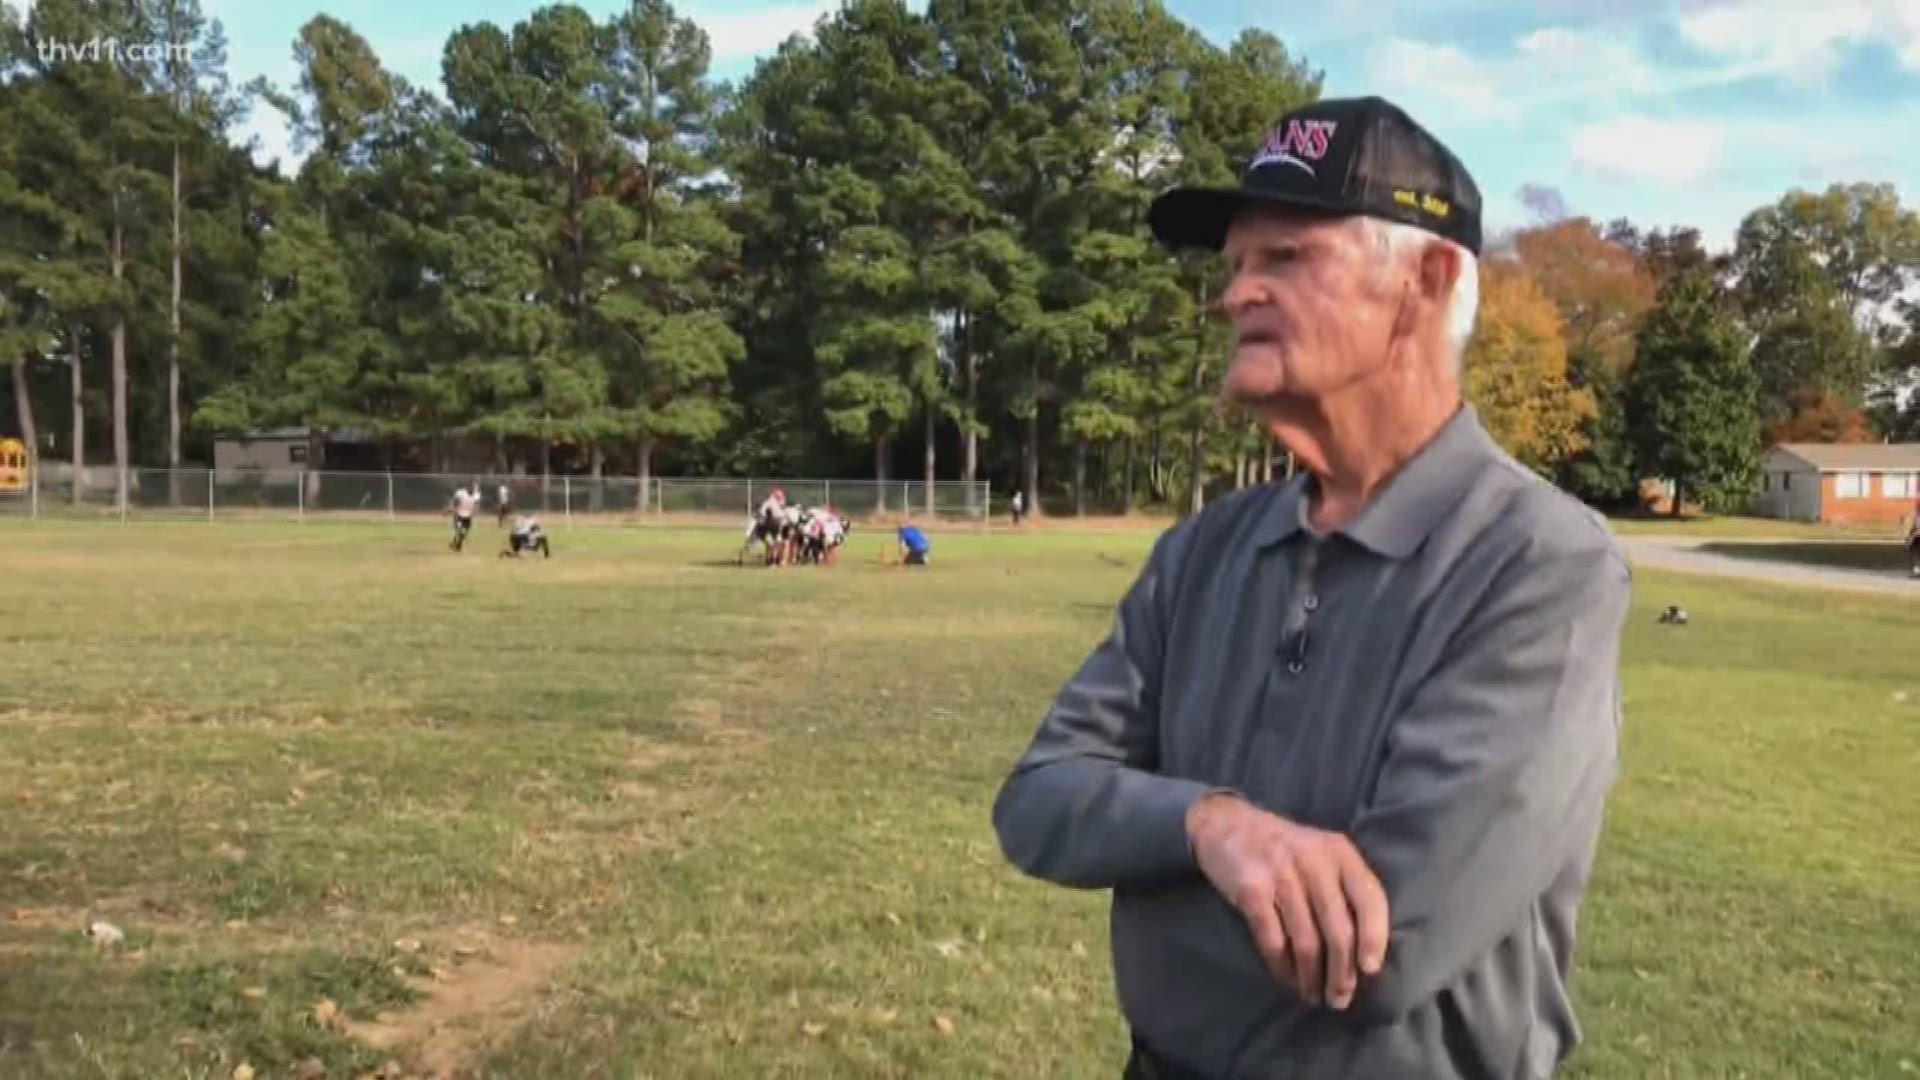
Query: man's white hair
(1395, 240)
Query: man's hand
(1318, 914)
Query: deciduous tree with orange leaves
(1516, 370)
(1600, 287)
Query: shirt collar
(1405, 511)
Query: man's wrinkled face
(1312, 305)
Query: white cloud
(1546, 68)
(1440, 74)
(1674, 153)
(1800, 40)
(744, 35)
(1559, 60)
(267, 127)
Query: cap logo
(1431, 204)
(1302, 143)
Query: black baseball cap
(1339, 156)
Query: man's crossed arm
(1502, 753)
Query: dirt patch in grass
(470, 1002)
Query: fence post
(124, 484)
(389, 494)
(986, 511)
(209, 494)
(749, 496)
(829, 492)
(301, 512)
(566, 490)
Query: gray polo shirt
(1438, 680)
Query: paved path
(1683, 554)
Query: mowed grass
(637, 812)
(1737, 527)
(1878, 555)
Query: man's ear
(1440, 267)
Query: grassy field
(1710, 526)
(637, 812)
(1879, 555)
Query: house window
(1786, 481)
(1850, 485)
(297, 453)
(1897, 485)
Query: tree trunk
(1674, 510)
(1080, 478)
(596, 466)
(931, 472)
(1196, 460)
(79, 421)
(173, 348)
(646, 467)
(1156, 475)
(118, 260)
(316, 464)
(1240, 463)
(1030, 464)
(1266, 458)
(24, 406)
(880, 472)
(969, 438)
(546, 473)
(1196, 470)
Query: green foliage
(908, 227)
(1691, 408)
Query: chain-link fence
(300, 493)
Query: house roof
(1863, 457)
(295, 434)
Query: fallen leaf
(438, 973)
(813, 1030)
(1079, 948)
(235, 926)
(327, 1014)
(233, 853)
(944, 1025)
(243, 1071)
(310, 1069)
(254, 993)
(508, 920)
(949, 948)
(465, 951)
(186, 1042)
(407, 945)
(885, 1016)
(892, 918)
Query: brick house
(1841, 483)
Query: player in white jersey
(792, 533)
(766, 526)
(464, 502)
(825, 533)
(527, 536)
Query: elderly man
(1343, 757)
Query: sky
(1662, 111)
